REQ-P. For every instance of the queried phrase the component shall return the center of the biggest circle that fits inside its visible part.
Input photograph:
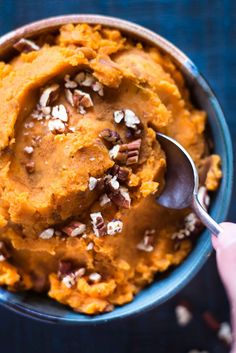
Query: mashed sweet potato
(80, 167)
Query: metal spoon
(182, 182)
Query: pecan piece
(69, 97)
(126, 153)
(49, 95)
(104, 200)
(64, 268)
(92, 183)
(98, 223)
(85, 79)
(90, 246)
(183, 315)
(30, 167)
(56, 126)
(225, 333)
(115, 226)
(68, 275)
(59, 112)
(98, 87)
(122, 174)
(133, 152)
(147, 243)
(110, 136)
(95, 277)
(82, 99)
(47, 233)
(69, 83)
(74, 229)
(120, 197)
(118, 116)
(25, 46)
(130, 118)
(29, 149)
(70, 279)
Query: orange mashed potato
(81, 167)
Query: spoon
(182, 183)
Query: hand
(225, 246)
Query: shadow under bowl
(45, 309)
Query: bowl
(45, 309)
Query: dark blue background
(206, 32)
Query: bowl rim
(187, 66)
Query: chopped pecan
(68, 274)
(183, 315)
(82, 99)
(30, 167)
(131, 134)
(115, 226)
(49, 95)
(85, 79)
(64, 268)
(116, 154)
(95, 277)
(29, 125)
(29, 149)
(147, 243)
(130, 118)
(192, 226)
(98, 87)
(98, 223)
(113, 183)
(104, 200)
(120, 197)
(56, 126)
(74, 229)
(25, 46)
(225, 333)
(69, 83)
(92, 183)
(70, 279)
(110, 136)
(59, 112)
(127, 153)
(118, 116)
(133, 152)
(47, 233)
(90, 246)
(69, 97)
(121, 173)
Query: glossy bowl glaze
(159, 291)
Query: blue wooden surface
(206, 32)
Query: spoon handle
(206, 219)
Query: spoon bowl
(182, 182)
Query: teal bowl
(45, 309)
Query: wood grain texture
(206, 32)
